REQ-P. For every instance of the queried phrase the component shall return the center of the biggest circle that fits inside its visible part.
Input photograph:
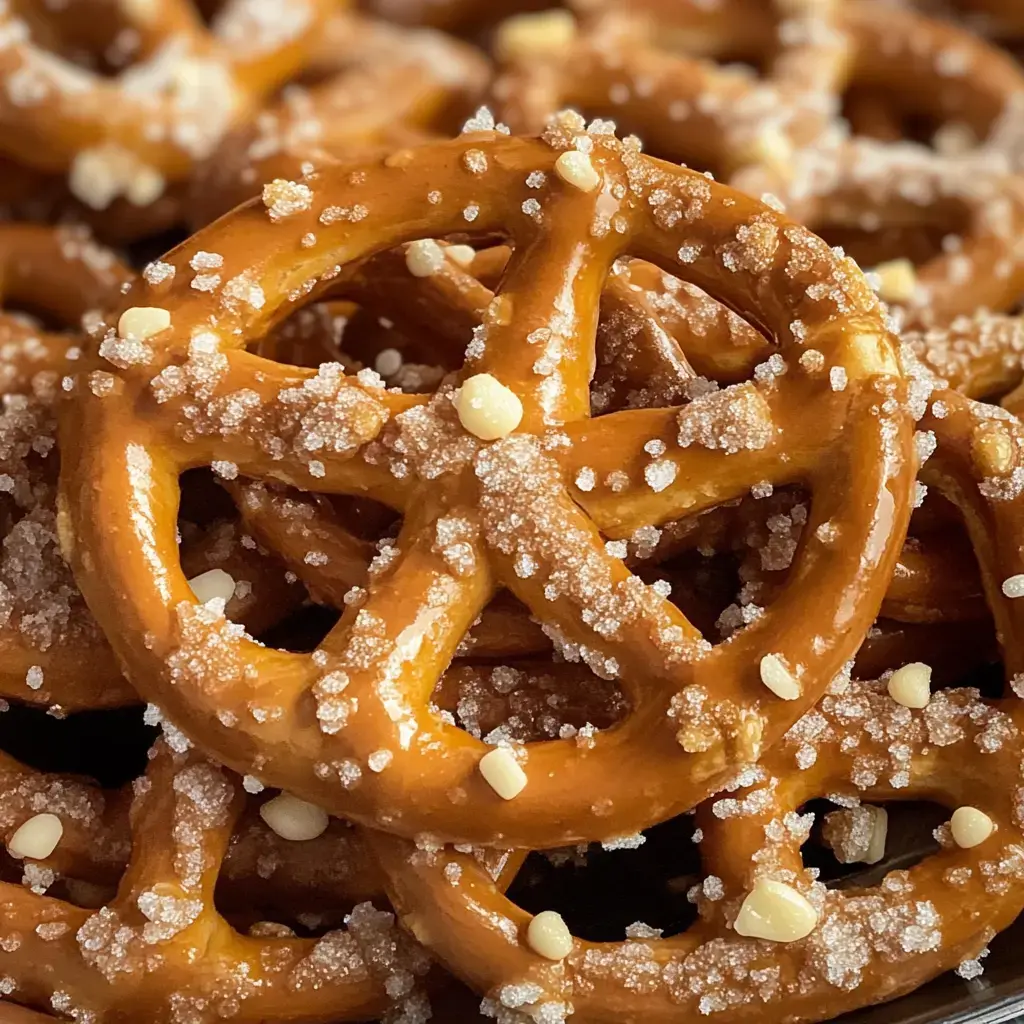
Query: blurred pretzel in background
(374, 88)
(133, 96)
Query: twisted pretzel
(777, 136)
(427, 598)
(856, 946)
(684, 109)
(148, 126)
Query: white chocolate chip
(142, 322)
(501, 771)
(294, 819)
(993, 451)
(970, 827)
(1013, 586)
(549, 936)
(461, 254)
(879, 834)
(911, 685)
(424, 258)
(776, 912)
(576, 169)
(779, 679)
(897, 280)
(212, 584)
(527, 36)
(771, 147)
(37, 838)
(486, 408)
(388, 362)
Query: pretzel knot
(542, 512)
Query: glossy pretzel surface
(510, 514)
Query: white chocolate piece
(388, 362)
(775, 911)
(577, 169)
(488, 409)
(1013, 586)
(770, 147)
(879, 834)
(897, 280)
(37, 838)
(911, 685)
(970, 827)
(502, 772)
(424, 258)
(779, 679)
(461, 254)
(527, 36)
(549, 936)
(142, 322)
(212, 584)
(294, 819)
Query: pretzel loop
(509, 513)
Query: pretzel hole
(601, 892)
(871, 241)
(108, 746)
(102, 40)
(909, 839)
(525, 701)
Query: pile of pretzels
(509, 511)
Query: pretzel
(684, 109)
(383, 88)
(147, 127)
(838, 949)
(160, 949)
(918, 929)
(181, 641)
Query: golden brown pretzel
(923, 65)
(330, 872)
(160, 949)
(131, 135)
(47, 629)
(686, 108)
(481, 935)
(380, 653)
